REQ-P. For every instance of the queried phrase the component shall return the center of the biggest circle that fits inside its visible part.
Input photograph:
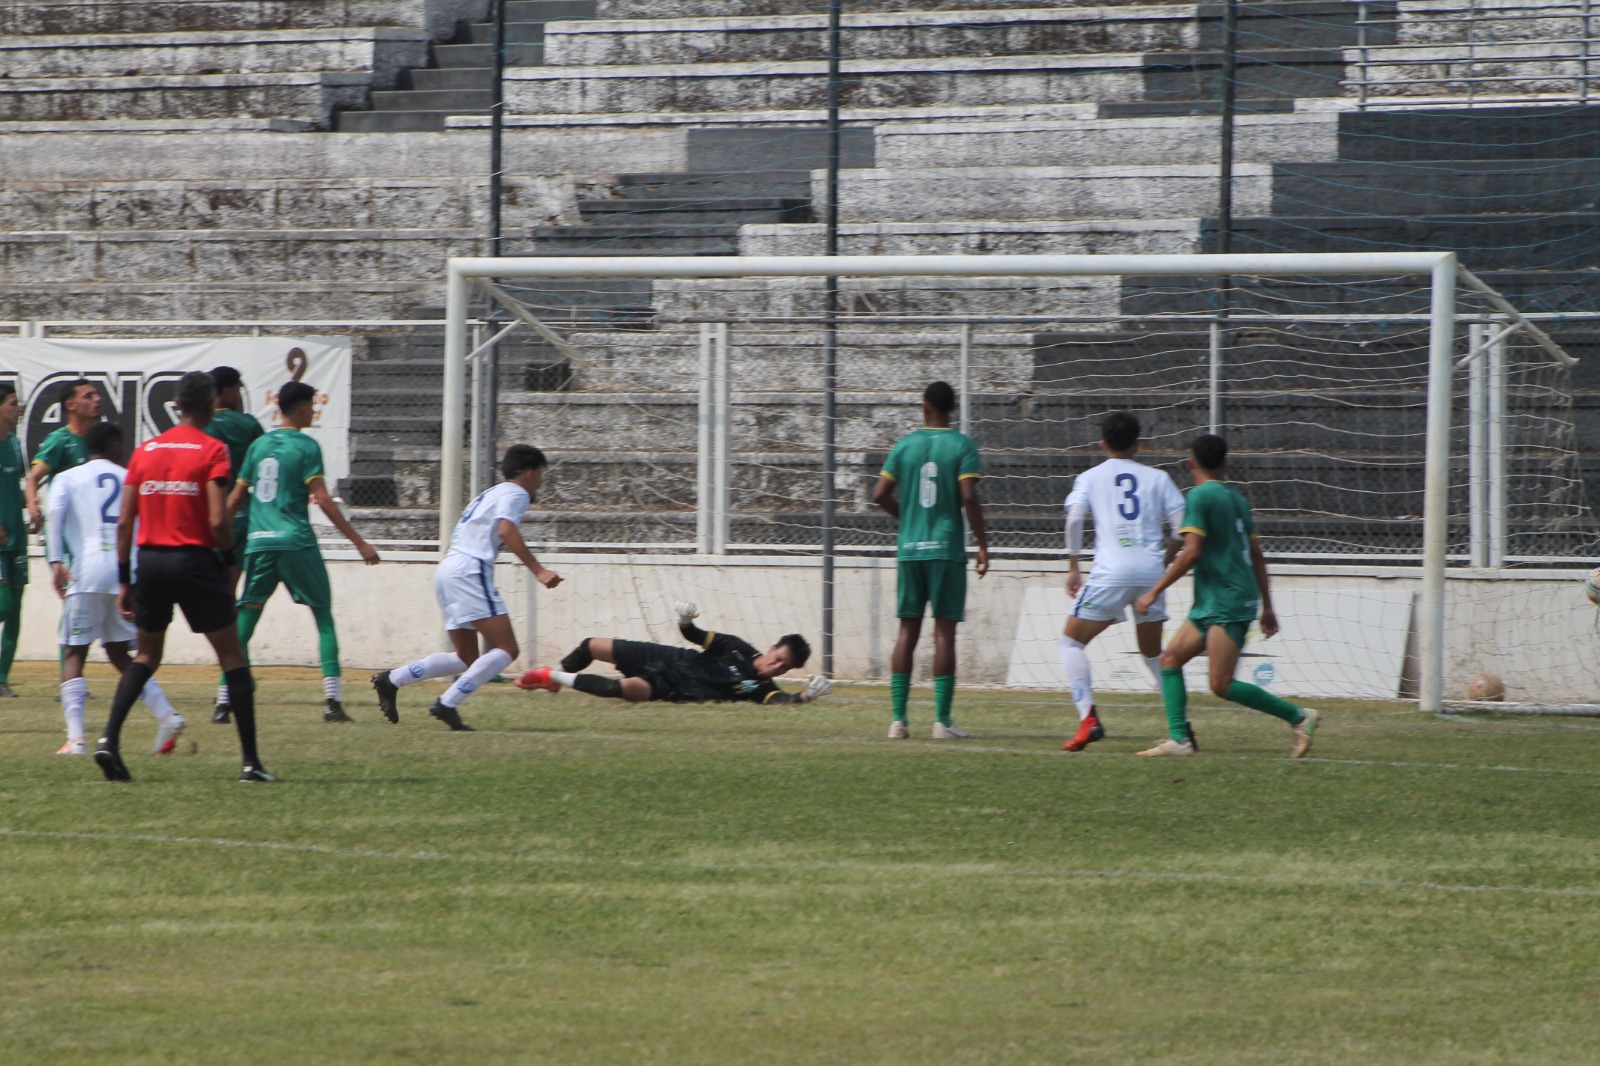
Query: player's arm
(55, 548)
(218, 514)
(974, 509)
(883, 495)
(1074, 543)
(688, 611)
(1258, 562)
(512, 536)
(30, 493)
(1182, 563)
(1175, 541)
(816, 688)
(126, 521)
(330, 507)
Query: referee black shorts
(190, 578)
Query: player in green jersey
(238, 431)
(13, 533)
(939, 469)
(283, 470)
(1230, 588)
(65, 447)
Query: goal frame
(465, 274)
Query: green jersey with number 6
(279, 469)
(1225, 587)
(928, 467)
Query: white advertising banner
(138, 379)
(1343, 644)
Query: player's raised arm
(330, 507)
(512, 537)
(688, 611)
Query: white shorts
(1110, 603)
(466, 592)
(90, 616)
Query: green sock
(944, 694)
(249, 618)
(1175, 697)
(11, 619)
(1260, 699)
(899, 694)
(327, 641)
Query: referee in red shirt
(177, 487)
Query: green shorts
(939, 583)
(1236, 630)
(302, 572)
(14, 568)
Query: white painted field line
(945, 870)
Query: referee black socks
(242, 702)
(128, 689)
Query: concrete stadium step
(384, 51)
(1544, 291)
(791, 85)
(677, 9)
(1134, 237)
(393, 121)
(219, 256)
(1453, 21)
(213, 299)
(1462, 186)
(867, 298)
(710, 239)
(454, 56)
(1543, 241)
(1447, 69)
(309, 95)
(695, 212)
(454, 101)
(1152, 141)
(1563, 131)
(452, 79)
(748, 184)
(170, 16)
(1009, 193)
(1171, 76)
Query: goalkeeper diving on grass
(724, 669)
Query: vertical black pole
(830, 355)
(496, 172)
(1230, 82)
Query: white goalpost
(1437, 275)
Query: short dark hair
(1210, 451)
(73, 386)
(521, 457)
(940, 396)
(799, 648)
(103, 438)
(295, 394)
(6, 389)
(196, 392)
(1120, 430)
(226, 377)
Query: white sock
(1076, 665)
(155, 697)
(74, 694)
(488, 664)
(1152, 663)
(222, 695)
(561, 677)
(439, 664)
(332, 687)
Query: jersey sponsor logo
(169, 488)
(158, 445)
(265, 534)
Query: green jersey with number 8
(279, 469)
(928, 467)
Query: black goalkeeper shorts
(669, 671)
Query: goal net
(716, 426)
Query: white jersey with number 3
(1129, 502)
(81, 524)
(477, 533)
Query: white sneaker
(949, 732)
(1303, 733)
(1168, 746)
(898, 730)
(167, 734)
(72, 747)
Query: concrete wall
(1534, 628)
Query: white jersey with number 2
(1129, 502)
(81, 524)
(477, 534)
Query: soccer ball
(1591, 587)
(1486, 688)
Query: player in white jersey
(1131, 504)
(81, 546)
(464, 585)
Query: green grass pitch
(583, 881)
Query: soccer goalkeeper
(725, 668)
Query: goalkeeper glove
(818, 687)
(687, 610)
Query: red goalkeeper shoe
(537, 678)
(1089, 731)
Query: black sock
(596, 685)
(128, 689)
(577, 658)
(242, 701)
